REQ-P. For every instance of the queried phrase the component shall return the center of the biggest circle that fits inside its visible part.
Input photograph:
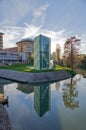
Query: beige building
(25, 45)
(25, 48)
(1, 41)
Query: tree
(71, 52)
(58, 51)
(31, 58)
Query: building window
(21, 48)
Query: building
(25, 45)
(12, 49)
(1, 41)
(7, 57)
(25, 48)
(42, 52)
(22, 53)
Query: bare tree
(71, 52)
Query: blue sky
(57, 19)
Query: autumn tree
(58, 51)
(71, 52)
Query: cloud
(31, 30)
(40, 14)
(83, 43)
(14, 34)
(11, 35)
(20, 11)
(56, 36)
(13, 11)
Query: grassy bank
(16, 67)
(81, 71)
(30, 68)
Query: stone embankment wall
(4, 120)
(34, 77)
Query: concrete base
(4, 120)
(27, 77)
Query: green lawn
(16, 67)
(30, 68)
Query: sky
(57, 19)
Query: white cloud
(40, 14)
(11, 35)
(83, 43)
(31, 30)
(14, 34)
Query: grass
(16, 67)
(57, 67)
(29, 68)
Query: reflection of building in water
(25, 88)
(57, 85)
(42, 99)
(1, 88)
(2, 83)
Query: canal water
(56, 106)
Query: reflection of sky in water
(24, 108)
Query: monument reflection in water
(42, 99)
(41, 96)
(56, 106)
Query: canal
(56, 106)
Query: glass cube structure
(42, 46)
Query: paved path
(4, 120)
(34, 77)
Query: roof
(1, 33)
(42, 35)
(26, 40)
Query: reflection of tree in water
(57, 85)
(70, 95)
(84, 75)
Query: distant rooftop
(1, 33)
(42, 35)
(26, 40)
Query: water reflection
(42, 99)
(42, 106)
(2, 83)
(70, 94)
(41, 96)
(25, 88)
(3, 98)
(57, 85)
